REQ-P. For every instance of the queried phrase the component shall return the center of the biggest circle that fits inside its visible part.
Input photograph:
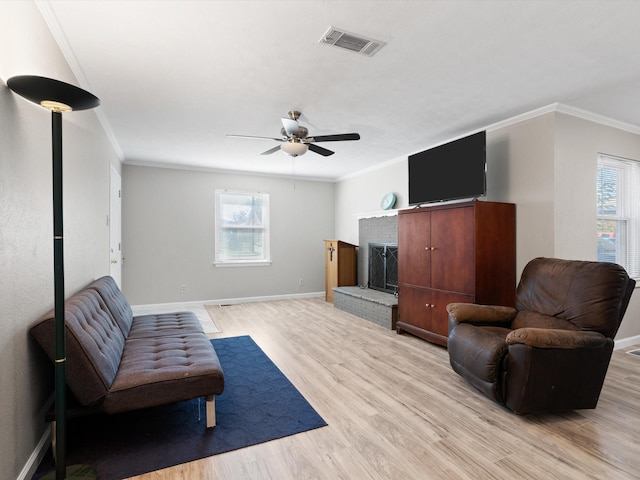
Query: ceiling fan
(296, 140)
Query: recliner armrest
(480, 314)
(553, 338)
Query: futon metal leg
(211, 411)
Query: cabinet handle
(427, 248)
(429, 305)
(433, 248)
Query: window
(618, 225)
(242, 228)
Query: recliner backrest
(591, 295)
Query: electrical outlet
(301, 282)
(183, 288)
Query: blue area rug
(258, 404)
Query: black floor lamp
(58, 97)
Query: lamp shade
(294, 147)
(52, 94)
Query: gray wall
(578, 143)
(359, 196)
(168, 236)
(546, 165)
(520, 170)
(26, 231)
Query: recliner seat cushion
(539, 320)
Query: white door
(115, 227)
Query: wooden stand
(339, 266)
(463, 252)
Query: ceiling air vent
(350, 41)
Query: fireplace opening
(383, 267)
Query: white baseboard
(626, 342)
(233, 301)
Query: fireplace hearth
(377, 270)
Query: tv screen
(452, 171)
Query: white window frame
(225, 259)
(626, 215)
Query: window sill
(232, 263)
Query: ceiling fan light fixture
(294, 147)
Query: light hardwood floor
(396, 410)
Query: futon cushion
(165, 370)
(165, 324)
(115, 302)
(94, 345)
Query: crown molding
(223, 171)
(596, 118)
(44, 6)
(567, 110)
(551, 108)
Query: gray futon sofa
(117, 362)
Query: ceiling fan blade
(339, 137)
(322, 151)
(290, 126)
(271, 150)
(260, 138)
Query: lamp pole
(57, 97)
(58, 280)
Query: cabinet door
(414, 306)
(453, 253)
(439, 322)
(414, 254)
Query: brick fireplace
(382, 230)
(374, 299)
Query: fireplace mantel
(379, 213)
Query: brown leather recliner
(551, 352)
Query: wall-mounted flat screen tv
(452, 171)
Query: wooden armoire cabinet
(339, 266)
(462, 252)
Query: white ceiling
(175, 77)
